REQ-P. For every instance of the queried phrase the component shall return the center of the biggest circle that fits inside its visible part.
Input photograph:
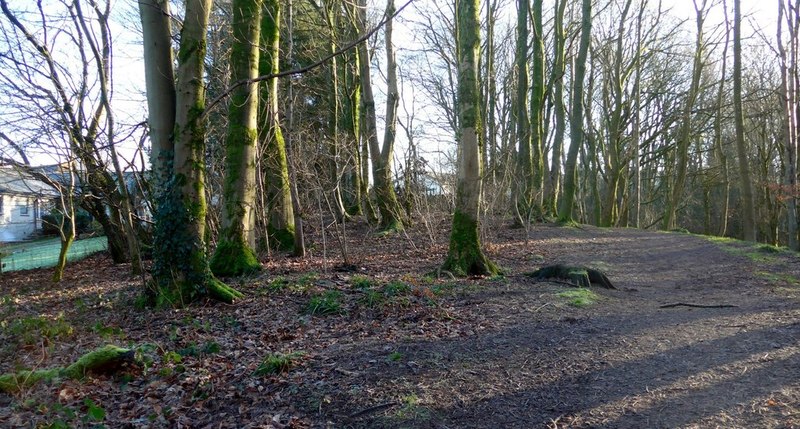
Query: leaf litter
(405, 348)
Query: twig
(379, 407)
(683, 304)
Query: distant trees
(586, 112)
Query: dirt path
(623, 362)
(479, 353)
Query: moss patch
(465, 256)
(281, 238)
(103, 359)
(234, 259)
(580, 297)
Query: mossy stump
(576, 275)
(104, 359)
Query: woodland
(467, 213)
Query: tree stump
(576, 275)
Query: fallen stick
(683, 304)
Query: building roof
(15, 181)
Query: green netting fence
(44, 253)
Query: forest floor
(400, 348)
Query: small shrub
(211, 347)
(172, 357)
(277, 284)
(106, 331)
(372, 299)
(396, 288)
(361, 282)
(766, 248)
(327, 303)
(32, 329)
(94, 412)
(308, 279)
(52, 221)
(277, 363)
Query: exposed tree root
(106, 358)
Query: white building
(21, 201)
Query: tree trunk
(299, 237)
(160, 82)
(180, 270)
(685, 136)
(281, 217)
(749, 230)
(465, 255)
(537, 111)
(789, 100)
(234, 254)
(576, 116)
(388, 206)
(557, 78)
(524, 178)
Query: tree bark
(523, 182)
(388, 206)
(281, 219)
(180, 270)
(465, 256)
(557, 78)
(234, 254)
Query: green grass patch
(31, 330)
(360, 282)
(107, 332)
(277, 363)
(787, 279)
(580, 297)
(372, 299)
(396, 288)
(327, 303)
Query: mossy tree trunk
(524, 177)
(234, 254)
(66, 231)
(465, 256)
(180, 270)
(576, 133)
(381, 157)
(281, 217)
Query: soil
(409, 350)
